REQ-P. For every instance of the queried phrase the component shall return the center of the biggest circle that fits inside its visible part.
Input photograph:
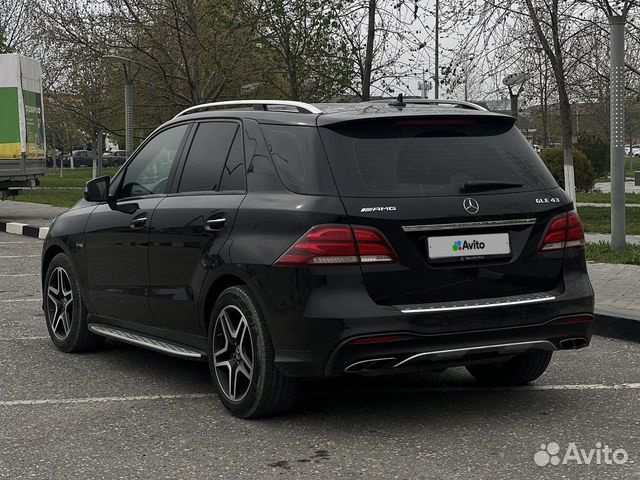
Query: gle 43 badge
(548, 200)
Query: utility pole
(618, 220)
(436, 80)
(129, 75)
(128, 110)
(543, 96)
(97, 163)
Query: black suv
(281, 240)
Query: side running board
(144, 341)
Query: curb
(618, 323)
(24, 229)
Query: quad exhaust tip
(573, 343)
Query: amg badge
(378, 209)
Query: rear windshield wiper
(477, 185)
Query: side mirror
(97, 190)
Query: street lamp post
(618, 228)
(128, 97)
(511, 81)
(436, 76)
(97, 164)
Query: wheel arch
(214, 290)
(229, 276)
(52, 248)
(47, 257)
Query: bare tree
(16, 26)
(303, 55)
(180, 45)
(386, 40)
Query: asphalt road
(124, 412)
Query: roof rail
(256, 104)
(431, 101)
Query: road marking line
(480, 388)
(8, 339)
(137, 398)
(21, 300)
(13, 243)
(19, 256)
(195, 396)
(19, 274)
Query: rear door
(190, 226)
(463, 200)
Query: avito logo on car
(463, 245)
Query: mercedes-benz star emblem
(470, 205)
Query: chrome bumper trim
(477, 304)
(468, 225)
(365, 364)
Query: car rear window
(413, 157)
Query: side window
(214, 161)
(149, 171)
(286, 152)
(299, 158)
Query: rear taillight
(564, 231)
(339, 245)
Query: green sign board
(33, 124)
(10, 145)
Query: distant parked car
(81, 158)
(115, 158)
(634, 151)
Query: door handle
(214, 224)
(138, 222)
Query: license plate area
(468, 247)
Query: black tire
(116, 164)
(268, 392)
(75, 338)
(519, 370)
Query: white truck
(22, 134)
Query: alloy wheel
(233, 356)
(60, 303)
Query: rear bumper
(314, 316)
